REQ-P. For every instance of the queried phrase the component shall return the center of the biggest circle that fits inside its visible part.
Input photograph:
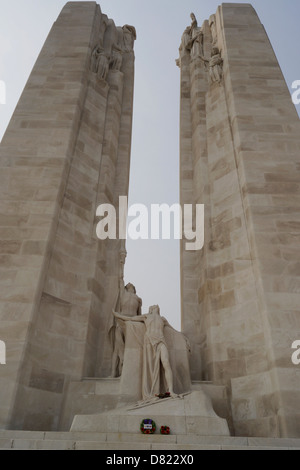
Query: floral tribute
(148, 426)
(164, 430)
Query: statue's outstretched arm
(125, 318)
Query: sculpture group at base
(151, 360)
(154, 341)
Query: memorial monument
(80, 355)
(155, 380)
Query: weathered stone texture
(59, 160)
(239, 156)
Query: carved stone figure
(185, 46)
(186, 41)
(156, 361)
(194, 24)
(129, 37)
(215, 66)
(103, 65)
(213, 27)
(130, 305)
(116, 58)
(196, 39)
(95, 59)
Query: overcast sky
(153, 266)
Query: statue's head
(154, 309)
(130, 288)
(130, 29)
(212, 20)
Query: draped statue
(196, 39)
(155, 353)
(129, 305)
(163, 368)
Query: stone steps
(36, 440)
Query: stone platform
(190, 414)
(100, 395)
(35, 440)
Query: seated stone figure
(215, 66)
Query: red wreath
(164, 430)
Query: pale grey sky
(153, 266)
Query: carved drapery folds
(100, 62)
(95, 59)
(192, 46)
(191, 41)
(116, 58)
(196, 43)
(213, 28)
(215, 66)
(111, 58)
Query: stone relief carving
(100, 62)
(186, 41)
(129, 37)
(213, 28)
(107, 56)
(185, 46)
(116, 58)
(103, 65)
(196, 39)
(95, 58)
(191, 41)
(215, 66)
